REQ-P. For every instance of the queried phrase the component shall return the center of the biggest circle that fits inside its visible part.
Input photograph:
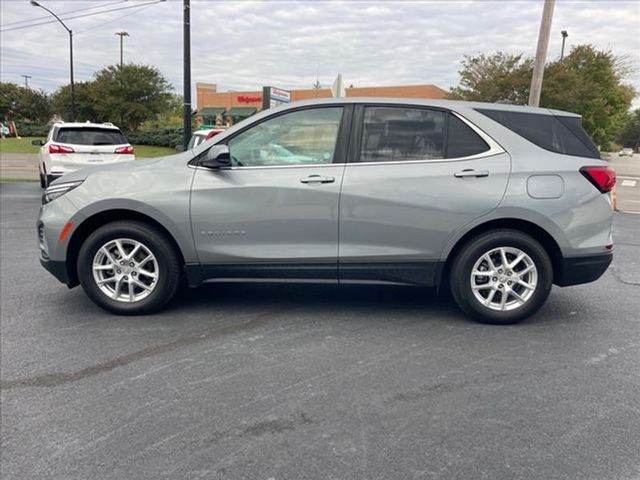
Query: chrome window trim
(435, 160)
(261, 167)
(494, 149)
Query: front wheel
(128, 268)
(501, 277)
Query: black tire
(169, 266)
(43, 181)
(460, 276)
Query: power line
(82, 16)
(101, 5)
(101, 24)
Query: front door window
(305, 137)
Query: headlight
(58, 189)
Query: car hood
(123, 167)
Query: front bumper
(57, 269)
(578, 270)
(52, 219)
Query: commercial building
(229, 107)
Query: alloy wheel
(504, 278)
(125, 270)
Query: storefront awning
(242, 111)
(211, 111)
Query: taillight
(53, 148)
(212, 134)
(128, 150)
(603, 178)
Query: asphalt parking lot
(314, 382)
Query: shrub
(32, 130)
(162, 137)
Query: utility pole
(564, 37)
(186, 72)
(26, 80)
(121, 34)
(541, 53)
(73, 89)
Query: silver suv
(497, 202)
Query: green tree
(630, 134)
(588, 82)
(85, 96)
(130, 95)
(494, 78)
(24, 104)
(171, 117)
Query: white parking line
(628, 183)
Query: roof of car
(449, 104)
(87, 125)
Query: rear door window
(554, 133)
(90, 136)
(396, 134)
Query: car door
(415, 176)
(274, 212)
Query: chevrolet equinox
(496, 202)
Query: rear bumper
(577, 270)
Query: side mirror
(38, 142)
(179, 148)
(218, 156)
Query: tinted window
(575, 125)
(462, 141)
(557, 134)
(393, 134)
(90, 136)
(306, 137)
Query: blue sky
(244, 44)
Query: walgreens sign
(248, 99)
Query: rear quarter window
(559, 134)
(90, 136)
(462, 141)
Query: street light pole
(564, 37)
(26, 80)
(541, 53)
(121, 34)
(73, 90)
(186, 92)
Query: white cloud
(244, 45)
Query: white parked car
(71, 146)
(202, 135)
(627, 151)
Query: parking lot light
(73, 92)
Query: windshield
(90, 136)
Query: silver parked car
(496, 202)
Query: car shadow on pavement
(313, 296)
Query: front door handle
(313, 179)
(470, 172)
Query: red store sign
(248, 99)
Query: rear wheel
(128, 268)
(501, 277)
(43, 181)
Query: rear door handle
(470, 172)
(312, 179)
